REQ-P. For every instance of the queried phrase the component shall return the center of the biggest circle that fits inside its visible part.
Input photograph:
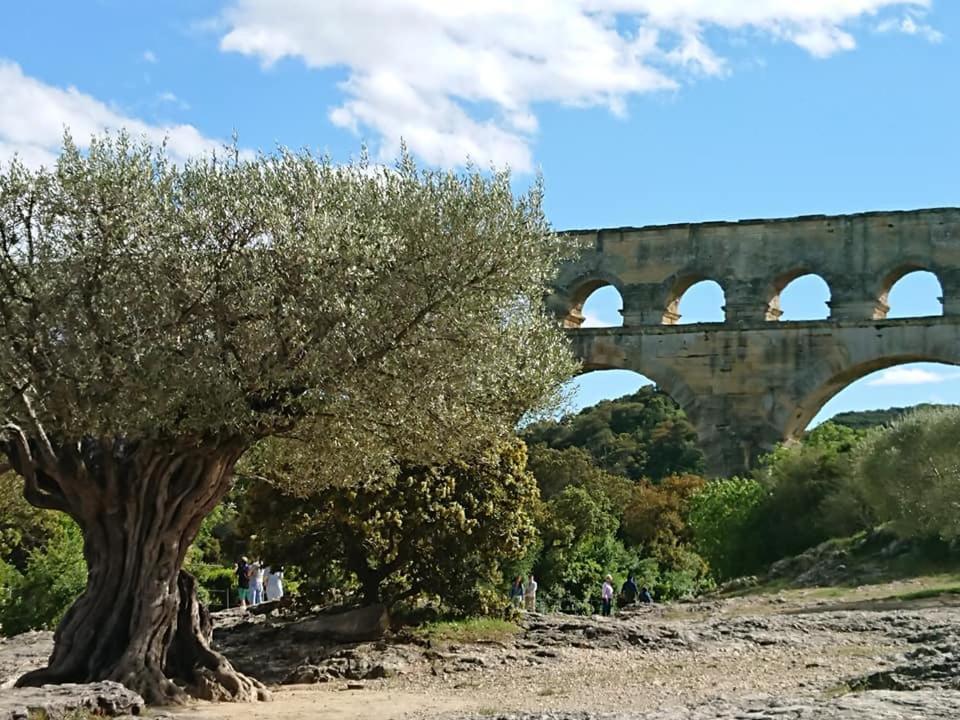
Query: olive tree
(160, 319)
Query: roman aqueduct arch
(751, 382)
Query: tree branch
(23, 463)
(48, 456)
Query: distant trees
(644, 435)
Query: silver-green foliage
(376, 311)
(910, 473)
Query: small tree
(417, 531)
(721, 516)
(656, 515)
(909, 473)
(158, 320)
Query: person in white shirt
(530, 595)
(606, 594)
(275, 583)
(256, 583)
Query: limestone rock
(875, 705)
(59, 701)
(357, 625)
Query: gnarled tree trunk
(138, 621)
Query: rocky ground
(794, 655)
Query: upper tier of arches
(814, 268)
(794, 296)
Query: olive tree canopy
(159, 319)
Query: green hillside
(643, 435)
(866, 419)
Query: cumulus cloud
(149, 56)
(33, 116)
(911, 376)
(464, 78)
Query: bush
(909, 473)
(216, 585)
(432, 532)
(721, 517)
(55, 576)
(807, 495)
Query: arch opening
(592, 302)
(602, 308)
(877, 392)
(799, 295)
(911, 292)
(696, 300)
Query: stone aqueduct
(751, 381)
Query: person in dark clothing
(645, 597)
(629, 592)
(243, 581)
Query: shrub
(909, 473)
(721, 517)
(55, 576)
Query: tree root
(207, 674)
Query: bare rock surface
(22, 653)
(798, 655)
(107, 699)
(876, 705)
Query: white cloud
(149, 56)
(911, 25)
(464, 78)
(33, 116)
(593, 321)
(172, 99)
(911, 376)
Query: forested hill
(647, 435)
(643, 435)
(866, 419)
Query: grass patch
(768, 588)
(928, 592)
(471, 630)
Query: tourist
(274, 587)
(606, 595)
(645, 597)
(629, 592)
(243, 581)
(516, 592)
(530, 595)
(256, 583)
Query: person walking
(516, 592)
(530, 595)
(606, 595)
(256, 583)
(274, 587)
(242, 571)
(629, 592)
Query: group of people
(257, 582)
(524, 594)
(629, 594)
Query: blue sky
(635, 111)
